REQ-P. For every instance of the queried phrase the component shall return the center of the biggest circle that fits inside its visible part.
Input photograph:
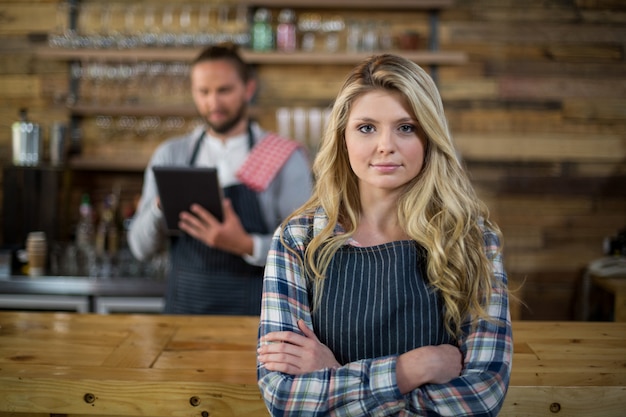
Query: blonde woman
(385, 293)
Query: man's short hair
(228, 52)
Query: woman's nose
(386, 141)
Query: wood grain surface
(205, 366)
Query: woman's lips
(385, 167)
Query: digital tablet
(180, 187)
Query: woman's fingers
(306, 331)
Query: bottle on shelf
(286, 31)
(85, 227)
(107, 237)
(84, 255)
(262, 34)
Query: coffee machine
(33, 190)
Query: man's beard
(229, 124)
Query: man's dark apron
(205, 280)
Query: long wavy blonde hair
(438, 209)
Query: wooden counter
(203, 366)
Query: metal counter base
(82, 294)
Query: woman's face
(384, 148)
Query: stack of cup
(37, 249)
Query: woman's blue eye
(366, 128)
(407, 128)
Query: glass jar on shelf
(262, 34)
(286, 31)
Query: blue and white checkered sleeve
(488, 352)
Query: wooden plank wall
(538, 113)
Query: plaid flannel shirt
(368, 387)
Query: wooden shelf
(136, 110)
(142, 109)
(424, 57)
(353, 4)
(431, 56)
(420, 57)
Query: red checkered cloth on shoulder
(265, 160)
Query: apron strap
(196, 146)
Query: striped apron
(376, 302)
(205, 280)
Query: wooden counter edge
(121, 398)
(571, 401)
(159, 398)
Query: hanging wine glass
(129, 37)
(60, 38)
(105, 38)
(241, 27)
(149, 35)
(185, 37)
(206, 32)
(86, 26)
(167, 37)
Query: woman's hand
(428, 364)
(295, 354)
